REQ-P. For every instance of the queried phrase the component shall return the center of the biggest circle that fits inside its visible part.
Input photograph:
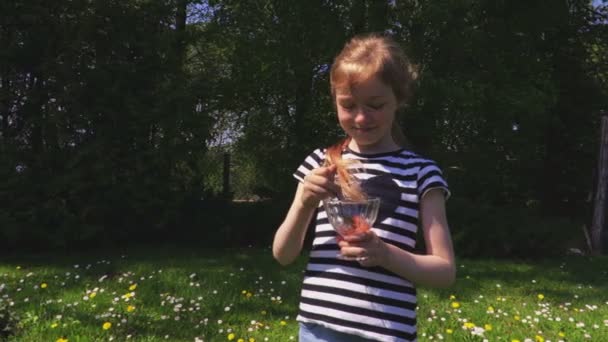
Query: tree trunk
(180, 28)
(5, 107)
(378, 16)
(226, 177)
(599, 213)
(357, 16)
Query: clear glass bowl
(350, 217)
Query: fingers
(359, 237)
(353, 252)
(324, 177)
(319, 184)
(364, 248)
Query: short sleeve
(312, 161)
(430, 177)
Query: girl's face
(366, 112)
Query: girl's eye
(376, 106)
(347, 106)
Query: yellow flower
(106, 325)
(251, 339)
(249, 294)
(455, 305)
(130, 308)
(449, 331)
(490, 308)
(283, 323)
(517, 318)
(244, 292)
(488, 327)
(452, 297)
(61, 339)
(54, 325)
(514, 340)
(241, 340)
(92, 295)
(539, 338)
(132, 287)
(230, 337)
(541, 296)
(469, 325)
(561, 334)
(43, 286)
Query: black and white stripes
(371, 302)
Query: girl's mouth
(363, 129)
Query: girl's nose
(361, 116)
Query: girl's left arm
(437, 268)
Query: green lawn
(177, 295)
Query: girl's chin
(367, 144)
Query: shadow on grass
(558, 280)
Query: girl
(372, 298)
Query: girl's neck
(384, 146)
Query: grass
(213, 295)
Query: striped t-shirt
(369, 301)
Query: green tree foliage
(114, 116)
(101, 136)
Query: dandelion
(92, 295)
(231, 337)
(452, 297)
(469, 325)
(488, 327)
(106, 325)
(283, 323)
(43, 285)
(61, 339)
(54, 325)
(561, 334)
(539, 338)
(449, 331)
(455, 305)
(130, 308)
(132, 287)
(541, 296)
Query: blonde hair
(362, 58)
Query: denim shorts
(310, 332)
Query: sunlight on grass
(245, 296)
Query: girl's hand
(366, 246)
(318, 185)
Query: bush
(217, 222)
(484, 230)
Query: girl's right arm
(289, 238)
